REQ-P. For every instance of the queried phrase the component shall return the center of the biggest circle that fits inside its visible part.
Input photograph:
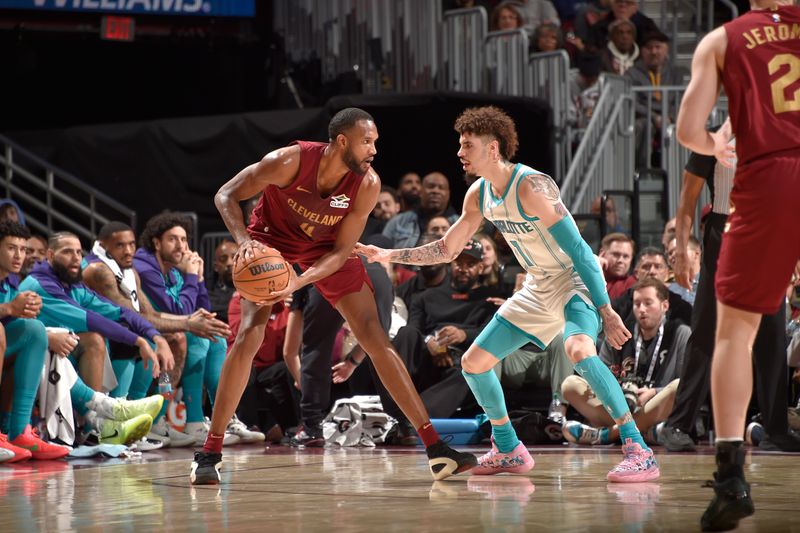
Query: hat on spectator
(655, 35)
(473, 249)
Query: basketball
(257, 278)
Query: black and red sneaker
(307, 438)
(445, 461)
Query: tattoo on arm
(104, 283)
(429, 254)
(544, 185)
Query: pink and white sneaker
(638, 466)
(517, 461)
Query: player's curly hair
(492, 121)
(161, 223)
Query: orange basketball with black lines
(258, 277)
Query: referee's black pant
(769, 350)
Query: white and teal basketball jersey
(538, 307)
(536, 250)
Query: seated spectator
(620, 10)
(409, 191)
(652, 263)
(621, 52)
(438, 226)
(22, 350)
(616, 251)
(647, 366)
(109, 271)
(537, 12)
(587, 15)
(547, 37)
(427, 277)
(612, 216)
(387, 206)
(694, 257)
(507, 16)
(68, 303)
(442, 323)
(584, 91)
(171, 277)
(653, 70)
(35, 251)
(222, 289)
(491, 275)
(9, 210)
(405, 228)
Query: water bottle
(554, 411)
(164, 386)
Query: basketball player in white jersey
(564, 292)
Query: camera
(629, 386)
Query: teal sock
(629, 430)
(4, 423)
(602, 436)
(505, 438)
(193, 374)
(123, 370)
(27, 345)
(142, 379)
(489, 394)
(81, 394)
(607, 390)
(140, 385)
(214, 360)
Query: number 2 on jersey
(780, 103)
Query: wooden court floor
(382, 489)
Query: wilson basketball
(257, 278)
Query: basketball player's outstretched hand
(616, 332)
(373, 254)
(247, 249)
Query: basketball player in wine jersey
(315, 202)
(756, 57)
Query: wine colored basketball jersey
(761, 75)
(296, 219)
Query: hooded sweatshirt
(78, 308)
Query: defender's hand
(616, 332)
(373, 254)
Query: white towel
(126, 280)
(55, 403)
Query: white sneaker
(147, 444)
(246, 436)
(120, 409)
(6, 455)
(171, 436)
(199, 430)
